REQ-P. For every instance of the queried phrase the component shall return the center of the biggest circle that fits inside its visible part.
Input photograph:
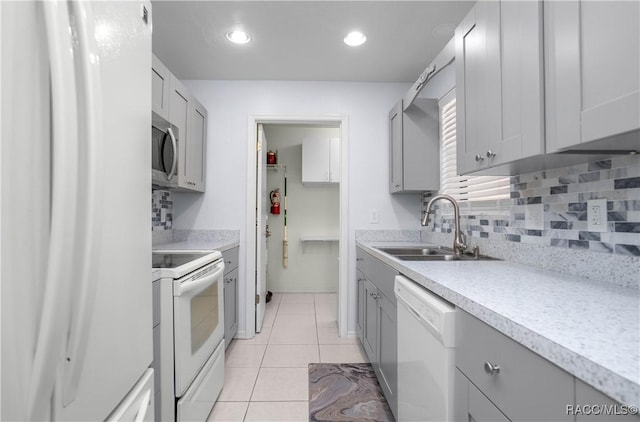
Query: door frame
(343, 266)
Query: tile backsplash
(550, 208)
(161, 210)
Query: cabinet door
(370, 328)
(388, 351)
(499, 77)
(361, 305)
(521, 79)
(230, 305)
(316, 158)
(160, 82)
(421, 146)
(179, 116)
(480, 408)
(592, 54)
(334, 160)
(196, 146)
(477, 40)
(395, 149)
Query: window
(488, 193)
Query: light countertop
(202, 244)
(591, 329)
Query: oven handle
(195, 286)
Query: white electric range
(189, 342)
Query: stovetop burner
(174, 260)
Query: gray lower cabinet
(230, 279)
(360, 315)
(521, 384)
(377, 319)
(497, 379)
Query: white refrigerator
(75, 250)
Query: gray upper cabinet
(196, 147)
(592, 63)
(179, 117)
(414, 157)
(188, 118)
(499, 84)
(160, 81)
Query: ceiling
(303, 40)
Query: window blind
(479, 191)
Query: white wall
(311, 211)
(230, 103)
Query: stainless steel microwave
(164, 156)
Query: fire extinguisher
(275, 201)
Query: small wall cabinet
(414, 147)
(377, 319)
(593, 92)
(320, 160)
(499, 84)
(230, 279)
(188, 118)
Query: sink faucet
(459, 244)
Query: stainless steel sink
(447, 257)
(400, 251)
(436, 253)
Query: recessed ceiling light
(355, 38)
(238, 37)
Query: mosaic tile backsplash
(161, 210)
(550, 208)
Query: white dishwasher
(426, 366)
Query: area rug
(346, 392)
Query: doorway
(329, 238)
(304, 201)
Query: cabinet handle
(361, 279)
(479, 157)
(491, 369)
(374, 295)
(397, 186)
(359, 259)
(490, 154)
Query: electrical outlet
(374, 218)
(597, 215)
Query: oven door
(198, 321)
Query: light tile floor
(266, 377)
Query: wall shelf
(319, 239)
(276, 167)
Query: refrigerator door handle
(89, 211)
(52, 329)
(144, 407)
